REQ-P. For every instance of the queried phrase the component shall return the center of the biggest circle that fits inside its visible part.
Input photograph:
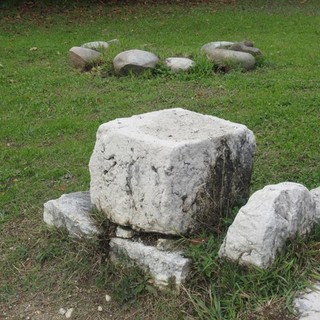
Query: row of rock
(224, 55)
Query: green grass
(49, 114)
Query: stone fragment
(241, 46)
(100, 308)
(179, 64)
(271, 216)
(124, 233)
(308, 304)
(134, 61)
(62, 311)
(72, 212)
(171, 171)
(316, 197)
(68, 314)
(108, 298)
(96, 45)
(232, 59)
(81, 57)
(166, 268)
(208, 47)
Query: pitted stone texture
(166, 268)
(171, 171)
(229, 58)
(134, 61)
(208, 47)
(72, 212)
(179, 64)
(316, 197)
(80, 57)
(271, 216)
(308, 304)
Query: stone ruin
(170, 174)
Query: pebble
(108, 298)
(69, 313)
(100, 308)
(62, 311)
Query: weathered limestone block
(208, 47)
(80, 57)
(308, 304)
(229, 58)
(179, 64)
(72, 212)
(166, 268)
(316, 197)
(271, 216)
(134, 61)
(171, 171)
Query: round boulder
(179, 64)
(135, 61)
(80, 57)
(229, 59)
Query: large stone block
(271, 216)
(171, 171)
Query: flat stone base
(166, 268)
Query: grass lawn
(49, 114)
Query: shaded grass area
(49, 114)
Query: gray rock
(96, 45)
(166, 268)
(308, 304)
(208, 47)
(134, 61)
(271, 216)
(170, 171)
(72, 212)
(179, 64)
(81, 57)
(240, 46)
(231, 59)
(125, 233)
(316, 197)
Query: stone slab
(71, 212)
(165, 268)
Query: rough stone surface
(229, 58)
(241, 46)
(80, 57)
(208, 47)
(134, 61)
(166, 268)
(179, 64)
(96, 45)
(124, 233)
(171, 171)
(271, 216)
(316, 197)
(308, 304)
(72, 212)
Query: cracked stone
(171, 171)
(271, 216)
(308, 304)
